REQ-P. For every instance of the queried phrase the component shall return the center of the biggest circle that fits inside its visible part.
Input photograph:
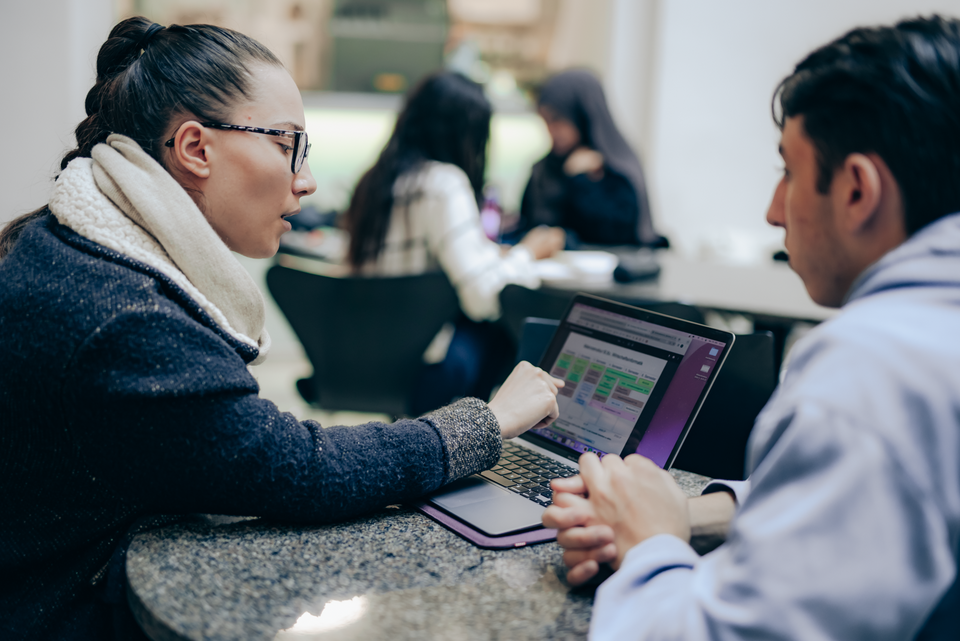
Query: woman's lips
(286, 222)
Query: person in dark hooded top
(591, 183)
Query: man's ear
(189, 151)
(858, 191)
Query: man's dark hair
(892, 91)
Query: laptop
(717, 443)
(635, 380)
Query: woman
(416, 210)
(591, 182)
(124, 387)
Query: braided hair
(147, 77)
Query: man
(849, 526)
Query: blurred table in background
(769, 291)
(769, 296)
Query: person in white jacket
(849, 525)
(416, 210)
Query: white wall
(48, 54)
(631, 65)
(711, 157)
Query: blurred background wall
(48, 52)
(689, 82)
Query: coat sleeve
(162, 408)
(815, 551)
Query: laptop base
(481, 540)
(490, 508)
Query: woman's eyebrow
(287, 125)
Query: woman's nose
(304, 183)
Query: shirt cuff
(471, 437)
(655, 555)
(740, 489)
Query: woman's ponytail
(122, 49)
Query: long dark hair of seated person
(446, 118)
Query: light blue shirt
(851, 525)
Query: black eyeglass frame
(300, 140)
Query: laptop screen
(634, 379)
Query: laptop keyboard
(527, 473)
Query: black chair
(535, 336)
(518, 303)
(717, 442)
(365, 337)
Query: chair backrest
(717, 442)
(518, 302)
(535, 336)
(365, 337)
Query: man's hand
(636, 498)
(613, 505)
(585, 542)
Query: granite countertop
(394, 574)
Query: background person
(591, 182)
(416, 210)
(124, 386)
(849, 525)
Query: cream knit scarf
(123, 199)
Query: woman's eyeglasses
(301, 146)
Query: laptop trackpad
(488, 507)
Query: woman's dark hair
(446, 118)
(893, 91)
(148, 76)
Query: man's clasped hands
(615, 504)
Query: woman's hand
(544, 242)
(528, 398)
(584, 160)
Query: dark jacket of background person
(613, 210)
(137, 404)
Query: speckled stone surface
(391, 575)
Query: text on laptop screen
(630, 385)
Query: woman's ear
(189, 152)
